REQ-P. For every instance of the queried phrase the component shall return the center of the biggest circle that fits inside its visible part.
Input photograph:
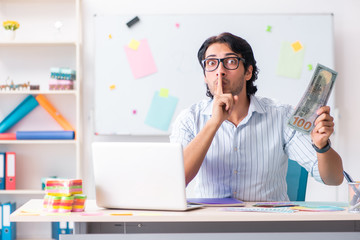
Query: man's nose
(221, 70)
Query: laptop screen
(133, 175)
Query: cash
(316, 96)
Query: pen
(347, 176)
(356, 191)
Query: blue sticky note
(161, 111)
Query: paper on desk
(258, 209)
(275, 204)
(317, 208)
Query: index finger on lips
(219, 90)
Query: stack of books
(62, 79)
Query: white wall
(347, 60)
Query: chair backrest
(296, 180)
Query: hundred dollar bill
(316, 96)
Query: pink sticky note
(141, 60)
(91, 214)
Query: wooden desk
(206, 220)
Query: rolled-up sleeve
(183, 128)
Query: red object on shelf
(7, 136)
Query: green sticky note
(268, 29)
(164, 92)
(161, 111)
(310, 67)
(290, 63)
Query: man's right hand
(223, 103)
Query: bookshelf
(24, 192)
(39, 46)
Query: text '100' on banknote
(316, 96)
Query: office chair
(296, 180)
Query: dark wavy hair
(239, 46)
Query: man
(236, 144)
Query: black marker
(133, 21)
(347, 177)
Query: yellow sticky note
(134, 44)
(121, 214)
(110, 36)
(164, 92)
(296, 46)
(112, 87)
(28, 214)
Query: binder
(45, 135)
(1, 225)
(10, 177)
(216, 202)
(2, 171)
(26, 106)
(8, 228)
(70, 228)
(58, 228)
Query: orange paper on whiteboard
(54, 113)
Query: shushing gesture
(223, 102)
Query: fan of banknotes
(316, 96)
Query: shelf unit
(38, 47)
(20, 191)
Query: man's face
(233, 81)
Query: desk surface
(32, 212)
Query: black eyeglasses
(230, 63)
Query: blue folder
(8, 228)
(58, 228)
(45, 135)
(26, 106)
(2, 171)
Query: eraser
(133, 21)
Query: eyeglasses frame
(222, 61)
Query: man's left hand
(324, 127)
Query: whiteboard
(145, 99)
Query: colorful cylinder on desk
(63, 187)
(26, 106)
(53, 203)
(66, 204)
(46, 202)
(79, 203)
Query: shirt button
(235, 149)
(234, 193)
(235, 171)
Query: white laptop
(133, 175)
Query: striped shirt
(248, 161)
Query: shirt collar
(255, 106)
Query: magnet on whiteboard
(133, 21)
